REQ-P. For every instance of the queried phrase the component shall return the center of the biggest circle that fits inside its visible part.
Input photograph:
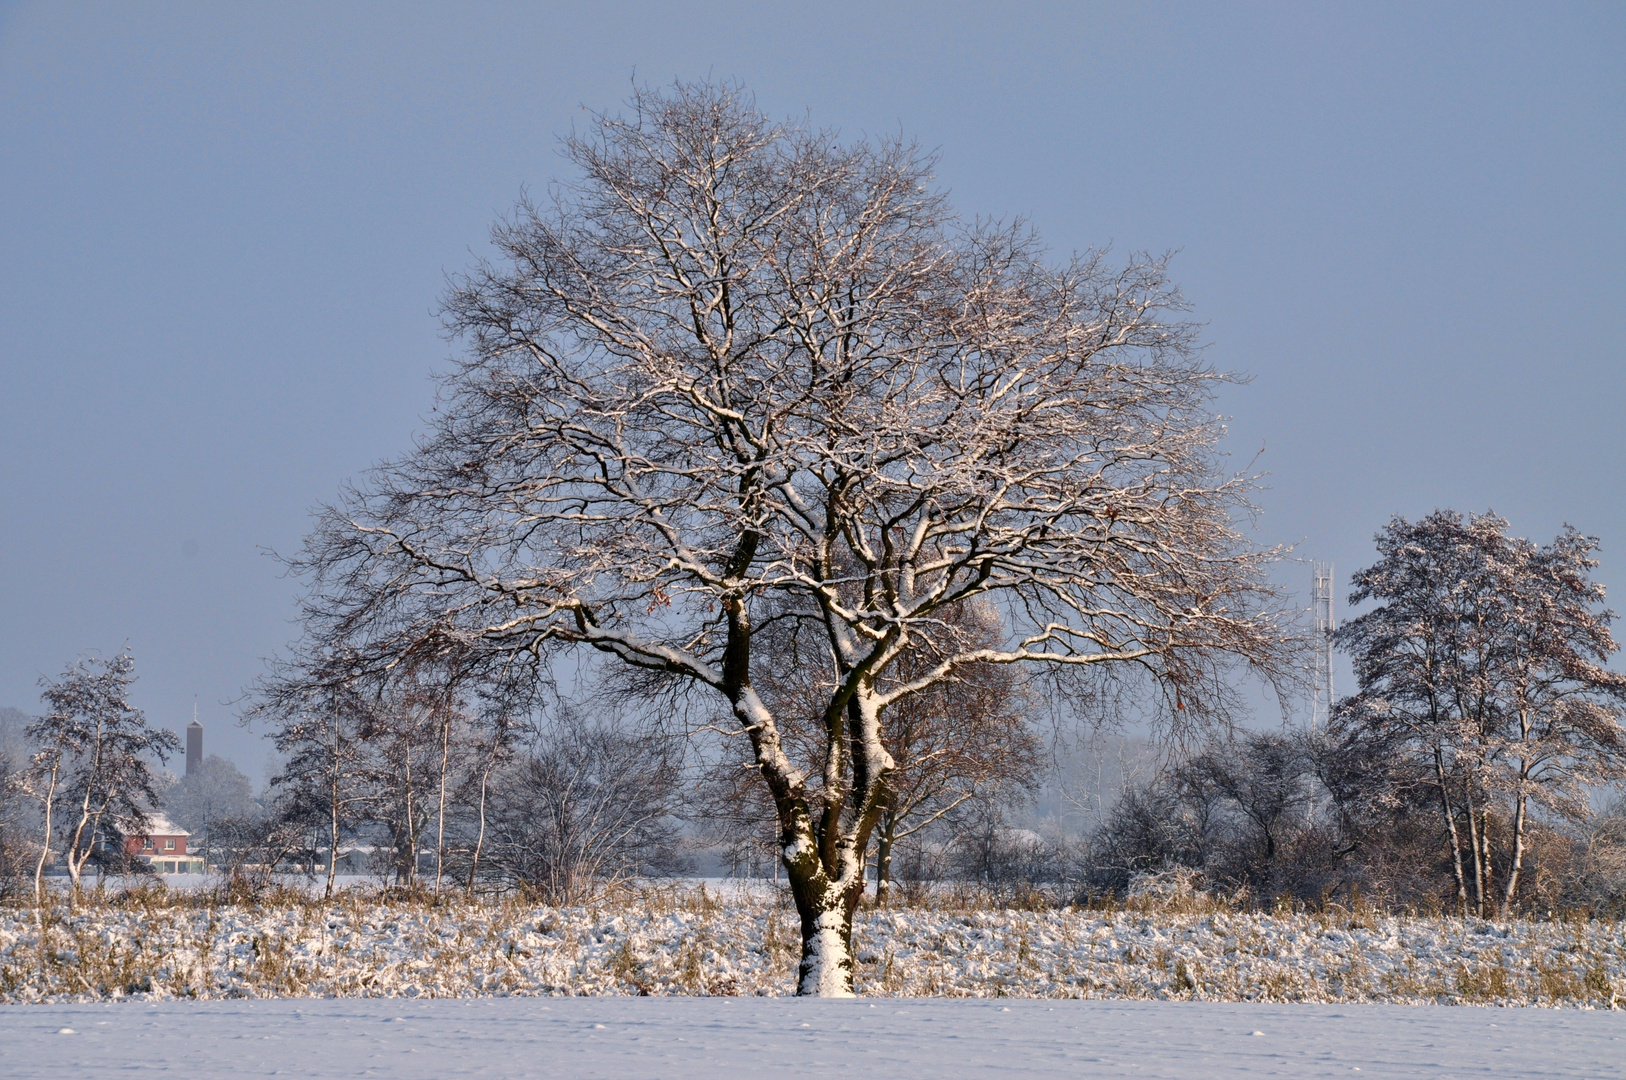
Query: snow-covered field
(685, 941)
(721, 1039)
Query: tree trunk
(825, 862)
(1473, 843)
(826, 967)
(333, 833)
(333, 811)
(480, 837)
(883, 857)
(77, 861)
(826, 879)
(1519, 808)
(440, 825)
(1451, 832)
(45, 847)
(407, 872)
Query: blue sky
(225, 232)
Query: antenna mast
(1322, 701)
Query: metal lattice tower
(1321, 607)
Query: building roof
(159, 825)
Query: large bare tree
(739, 371)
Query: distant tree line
(1473, 769)
(1462, 774)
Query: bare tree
(741, 370)
(1560, 735)
(493, 749)
(41, 780)
(1263, 779)
(18, 817)
(586, 805)
(1412, 660)
(1485, 658)
(410, 755)
(328, 780)
(16, 850)
(1246, 812)
(416, 735)
(94, 756)
(402, 733)
(1599, 857)
(446, 720)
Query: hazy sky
(224, 237)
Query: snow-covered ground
(723, 1039)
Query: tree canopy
(737, 373)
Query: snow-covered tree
(962, 740)
(1486, 658)
(739, 371)
(95, 760)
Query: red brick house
(164, 847)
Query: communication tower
(1322, 700)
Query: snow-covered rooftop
(160, 825)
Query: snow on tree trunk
(826, 969)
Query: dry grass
(678, 938)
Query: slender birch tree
(42, 780)
(737, 368)
(495, 749)
(96, 756)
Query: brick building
(164, 847)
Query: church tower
(194, 743)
